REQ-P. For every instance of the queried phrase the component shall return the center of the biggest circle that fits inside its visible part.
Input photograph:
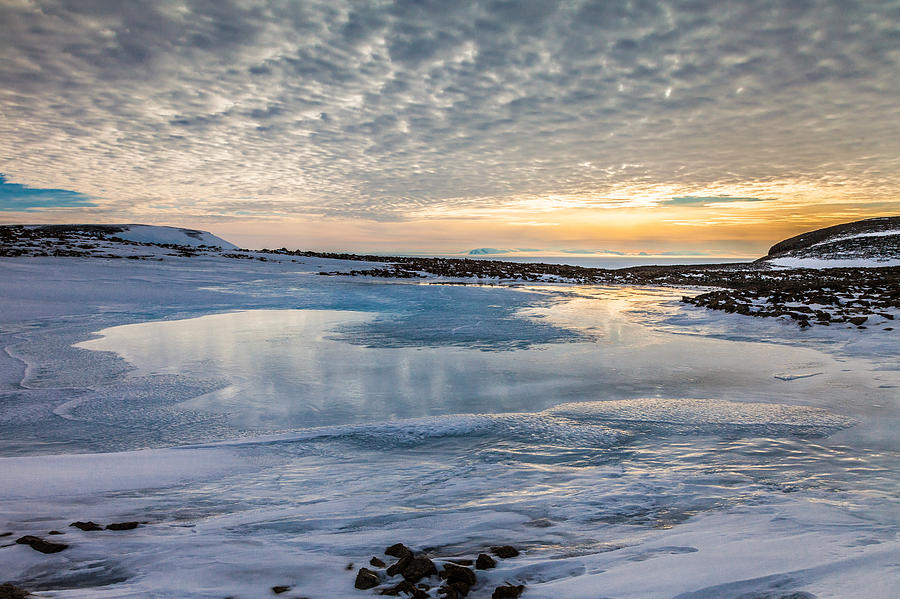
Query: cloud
(381, 110)
(707, 200)
(15, 197)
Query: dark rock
(399, 566)
(55, 532)
(376, 562)
(485, 562)
(5, 534)
(398, 550)
(366, 579)
(508, 591)
(505, 551)
(858, 320)
(452, 573)
(122, 526)
(448, 592)
(349, 566)
(418, 568)
(86, 526)
(402, 587)
(39, 544)
(462, 589)
(11, 591)
(279, 589)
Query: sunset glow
(664, 128)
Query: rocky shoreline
(417, 575)
(857, 297)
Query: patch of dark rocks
(417, 575)
(11, 591)
(42, 545)
(851, 297)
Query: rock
(281, 588)
(462, 589)
(399, 566)
(55, 532)
(402, 587)
(508, 591)
(448, 592)
(39, 544)
(366, 579)
(86, 526)
(505, 551)
(485, 562)
(376, 562)
(122, 526)
(858, 320)
(5, 534)
(454, 573)
(349, 566)
(418, 568)
(11, 591)
(398, 550)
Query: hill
(153, 234)
(871, 242)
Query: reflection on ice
(619, 456)
(286, 369)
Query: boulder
(39, 544)
(485, 562)
(86, 526)
(505, 551)
(399, 565)
(366, 579)
(418, 568)
(858, 320)
(281, 588)
(401, 587)
(398, 550)
(122, 526)
(453, 573)
(11, 591)
(508, 591)
(376, 562)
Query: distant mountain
(870, 242)
(485, 251)
(141, 234)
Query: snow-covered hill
(866, 243)
(142, 234)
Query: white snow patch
(788, 262)
(176, 235)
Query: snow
(172, 235)
(269, 426)
(791, 262)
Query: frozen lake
(271, 426)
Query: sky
(693, 127)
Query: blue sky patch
(21, 198)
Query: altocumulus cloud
(383, 109)
(21, 198)
(707, 200)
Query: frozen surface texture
(267, 426)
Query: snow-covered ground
(800, 262)
(268, 426)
